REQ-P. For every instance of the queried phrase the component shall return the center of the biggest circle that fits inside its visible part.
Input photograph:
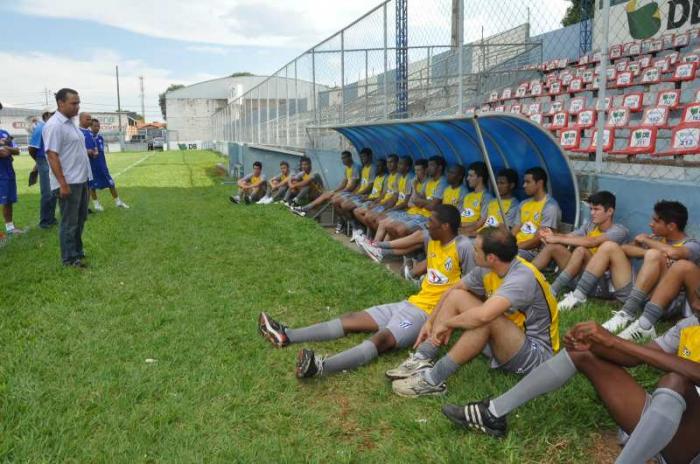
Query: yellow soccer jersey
(391, 188)
(404, 188)
(419, 187)
(377, 188)
(452, 196)
(366, 174)
(689, 346)
(531, 216)
(493, 214)
(471, 207)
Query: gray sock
(383, 245)
(350, 359)
(427, 350)
(444, 368)
(655, 428)
(651, 315)
(330, 330)
(634, 302)
(561, 282)
(587, 283)
(548, 376)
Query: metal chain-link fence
(617, 86)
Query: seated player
(423, 202)
(101, 179)
(252, 187)
(585, 241)
(367, 215)
(452, 195)
(395, 325)
(381, 183)
(664, 424)
(305, 186)
(504, 308)
(539, 210)
(667, 243)
(277, 186)
(410, 187)
(8, 182)
(475, 202)
(346, 186)
(506, 183)
(344, 207)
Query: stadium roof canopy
(511, 141)
(221, 88)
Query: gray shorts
(679, 307)
(414, 221)
(530, 355)
(528, 255)
(605, 290)
(403, 319)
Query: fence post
(342, 76)
(286, 105)
(366, 83)
(386, 65)
(460, 59)
(296, 101)
(313, 80)
(602, 84)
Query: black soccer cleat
(272, 330)
(308, 365)
(478, 417)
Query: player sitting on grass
(538, 211)
(395, 325)
(505, 310)
(346, 186)
(506, 183)
(368, 213)
(304, 186)
(380, 187)
(347, 205)
(475, 202)
(410, 187)
(452, 195)
(585, 241)
(667, 243)
(251, 187)
(101, 179)
(277, 186)
(664, 424)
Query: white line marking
(132, 165)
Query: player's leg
(559, 253)
(320, 200)
(576, 263)
(653, 268)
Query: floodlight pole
(602, 87)
(487, 161)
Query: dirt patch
(605, 448)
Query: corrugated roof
(215, 89)
(18, 112)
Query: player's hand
(592, 333)
(545, 234)
(4, 152)
(641, 238)
(64, 191)
(424, 334)
(441, 334)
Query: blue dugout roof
(511, 141)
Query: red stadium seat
(576, 85)
(642, 141)
(493, 96)
(691, 58)
(536, 89)
(615, 52)
(634, 49)
(586, 119)
(533, 108)
(588, 76)
(633, 101)
(651, 76)
(670, 98)
(560, 121)
(507, 93)
(517, 108)
(537, 117)
(691, 115)
(556, 107)
(624, 79)
(570, 139)
(685, 140)
(618, 118)
(555, 88)
(684, 72)
(663, 65)
(521, 91)
(576, 105)
(656, 116)
(608, 140)
(644, 61)
(499, 109)
(681, 40)
(634, 67)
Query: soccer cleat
(263, 200)
(235, 199)
(478, 417)
(15, 231)
(298, 211)
(308, 364)
(98, 207)
(417, 385)
(375, 253)
(272, 330)
(570, 301)
(246, 198)
(619, 321)
(409, 367)
(339, 227)
(356, 234)
(634, 332)
(121, 204)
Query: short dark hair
(305, 159)
(448, 214)
(393, 156)
(408, 160)
(345, 153)
(439, 160)
(285, 163)
(95, 120)
(479, 168)
(499, 242)
(672, 212)
(46, 115)
(460, 170)
(62, 95)
(257, 164)
(381, 162)
(603, 198)
(366, 151)
(538, 174)
(422, 162)
(511, 175)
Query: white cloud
(210, 49)
(272, 23)
(93, 78)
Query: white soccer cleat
(121, 204)
(619, 321)
(356, 234)
(409, 367)
(570, 301)
(417, 385)
(97, 207)
(635, 333)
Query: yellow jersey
(366, 174)
(531, 217)
(391, 188)
(431, 188)
(689, 346)
(493, 213)
(471, 207)
(452, 196)
(418, 187)
(377, 188)
(404, 189)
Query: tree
(574, 13)
(161, 97)
(242, 74)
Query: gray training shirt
(616, 233)
(521, 288)
(465, 251)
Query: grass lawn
(178, 280)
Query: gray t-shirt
(520, 287)
(551, 213)
(465, 251)
(439, 190)
(616, 233)
(671, 340)
(692, 245)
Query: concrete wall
(189, 119)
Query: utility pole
(46, 96)
(143, 106)
(119, 103)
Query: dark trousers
(74, 211)
(47, 209)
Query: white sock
(9, 226)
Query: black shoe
(234, 199)
(272, 330)
(308, 365)
(477, 416)
(76, 264)
(90, 211)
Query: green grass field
(179, 279)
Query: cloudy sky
(49, 44)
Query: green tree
(161, 98)
(242, 74)
(574, 13)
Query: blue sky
(73, 43)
